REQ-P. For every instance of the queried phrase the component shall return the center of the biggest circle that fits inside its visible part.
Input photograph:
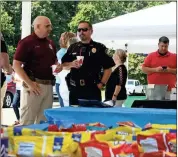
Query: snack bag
(171, 141)
(94, 149)
(27, 146)
(127, 150)
(128, 123)
(152, 131)
(157, 142)
(113, 140)
(75, 128)
(35, 146)
(57, 145)
(161, 126)
(46, 133)
(94, 133)
(19, 131)
(124, 130)
(80, 137)
(97, 124)
(158, 154)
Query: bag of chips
(157, 142)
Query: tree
(7, 28)
(134, 71)
(59, 12)
(98, 11)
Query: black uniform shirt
(95, 59)
(4, 50)
(118, 77)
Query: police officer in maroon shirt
(37, 54)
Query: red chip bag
(171, 141)
(75, 128)
(95, 133)
(128, 123)
(127, 149)
(97, 124)
(53, 128)
(95, 149)
(158, 154)
(158, 142)
(152, 143)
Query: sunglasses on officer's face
(82, 29)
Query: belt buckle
(82, 82)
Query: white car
(55, 96)
(134, 86)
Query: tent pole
(26, 18)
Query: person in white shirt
(66, 39)
(16, 99)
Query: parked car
(11, 88)
(134, 86)
(55, 96)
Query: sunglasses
(82, 29)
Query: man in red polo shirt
(37, 54)
(161, 66)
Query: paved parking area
(8, 115)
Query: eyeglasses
(82, 29)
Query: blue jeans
(59, 96)
(16, 103)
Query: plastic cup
(54, 68)
(80, 59)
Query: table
(110, 116)
(130, 99)
(163, 104)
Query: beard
(82, 37)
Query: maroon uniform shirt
(38, 55)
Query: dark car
(11, 88)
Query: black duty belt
(82, 82)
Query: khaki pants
(3, 93)
(32, 106)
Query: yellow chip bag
(124, 130)
(35, 146)
(163, 126)
(152, 131)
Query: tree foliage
(135, 64)
(65, 16)
(97, 11)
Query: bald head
(42, 26)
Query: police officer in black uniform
(85, 80)
(4, 60)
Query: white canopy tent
(140, 30)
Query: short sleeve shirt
(154, 60)
(3, 50)
(95, 59)
(38, 55)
